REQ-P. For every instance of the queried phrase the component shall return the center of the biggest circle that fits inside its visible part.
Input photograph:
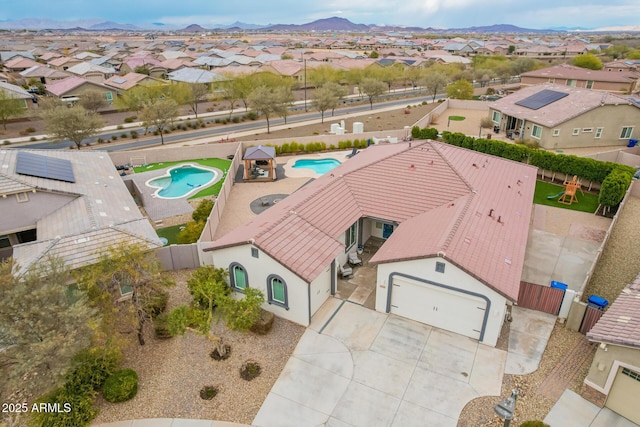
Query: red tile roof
(440, 196)
(621, 323)
(566, 71)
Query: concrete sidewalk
(169, 422)
(572, 410)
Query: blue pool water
(181, 181)
(319, 166)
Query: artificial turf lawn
(456, 118)
(170, 233)
(586, 203)
(213, 190)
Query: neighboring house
(560, 116)
(70, 204)
(623, 82)
(7, 55)
(131, 80)
(19, 93)
(614, 378)
(43, 74)
(64, 63)
(17, 64)
(92, 72)
(154, 66)
(453, 226)
(73, 88)
(622, 65)
(194, 75)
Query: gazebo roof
(260, 153)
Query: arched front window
(238, 277)
(277, 291)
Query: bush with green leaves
(190, 233)
(207, 285)
(614, 188)
(534, 423)
(156, 303)
(121, 386)
(241, 314)
(75, 409)
(91, 367)
(203, 210)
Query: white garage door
(440, 307)
(623, 396)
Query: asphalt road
(224, 130)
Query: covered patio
(259, 164)
(360, 286)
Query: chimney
(491, 213)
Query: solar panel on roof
(541, 99)
(31, 164)
(119, 80)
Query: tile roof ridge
(118, 227)
(461, 215)
(38, 258)
(438, 149)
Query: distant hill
(194, 28)
(327, 24)
(497, 28)
(110, 25)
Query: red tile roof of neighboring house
(565, 71)
(61, 87)
(20, 62)
(440, 196)
(620, 324)
(127, 81)
(578, 102)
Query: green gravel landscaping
(586, 203)
(213, 190)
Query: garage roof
(621, 323)
(440, 196)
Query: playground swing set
(568, 195)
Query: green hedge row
(615, 178)
(314, 147)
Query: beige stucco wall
(18, 216)
(606, 363)
(258, 269)
(614, 87)
(85, 88)
(453, 276)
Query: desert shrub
(134, 134)
(183, 317)
(156, 133)
(332, 147)
(264, 324)
(6, 142)
(216, 121)
(119, 127)
(235, 119)
(161, 327)
(614, 187)
(285, 148)
(33, 138)
(294, 147)
(156, 304)
(79, 406)
(534, 423)
(251, 115)
(91, 367)
(124, 135)
(250, 370)
(241, 314)
(202, 211)
(114, 137)
(130, 119)
(30, 130)
(208, 392)
(121, 386)
(191, 232)
(208, 283)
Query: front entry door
(387, 229)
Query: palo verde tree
(135, 99)
(190, 94)
(284, 100)
(10, 106)
(264, 101)
(434, 82)
(587, 60)
(460, 89)
(372, 88)
(159, 114)
(93, 101)
(123, 285)
(324, 99)
(44, 322)
(71, 124)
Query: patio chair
(345, 272)
(353, 153)
(353, 259)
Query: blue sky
(423, 13)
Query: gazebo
(259, 163)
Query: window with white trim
(277, 291)
(589, 84)
(536, 131)
(109, 96)
(350, 237)
(598, 133)
(22, 197)
(571, 82)
(496, 117)
(587, 130)
(440, 267)
(626, 132)
(238, 277)
(576, 131)
(552, 80)
(556, 132)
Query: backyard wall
(429, 118)
(628, 156)
(178, 257)
(175, 153)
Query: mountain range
(320, 25)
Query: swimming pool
(181, 181)
(319, 166)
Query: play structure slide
(555, 196)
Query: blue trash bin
(598, 302)
(632, 143)
(559, 285)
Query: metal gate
(541, 298)
(591, 317)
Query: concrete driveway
(572, 410)
(358, 367)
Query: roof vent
(507, 261)
(412, 167)
(623, 319)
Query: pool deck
(158, 208)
